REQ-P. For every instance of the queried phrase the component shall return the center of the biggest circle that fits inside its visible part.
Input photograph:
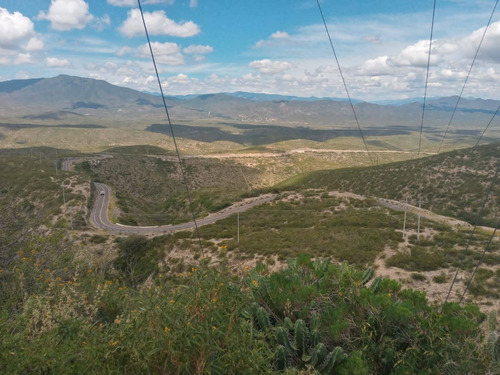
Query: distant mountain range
(74, 99)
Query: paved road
(99, 215)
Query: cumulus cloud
(489, 49)
(165, 53)
(34, 44)
(14, 28)
(65, 15)
(280, 35)
(277, 37)
(180, 79)
(102, 22)
(23, 58)
(268, 66)
(54, 62)
(198, 49)
(158, 24)
(123, 51)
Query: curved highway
(99, 214)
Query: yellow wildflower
(255, 283)
(167, 330)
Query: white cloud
(123, 51)
(158, 24)
(197, 49)
(34, 44)
(193, 3)
(102, 22)
(54, 62)
(280, 35)
(377, 67)
(133, 3)
(65, 15)
(180, 79)
(267, 66)
(23, 58)
(489, 49)
(165, 53)
(14, 28)
(276, 38)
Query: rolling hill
(453, 183)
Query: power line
(344, 82)
(479, 261)
(486, 128)
(476, 222)
(467, 78)
(184, 178)
(426, 79)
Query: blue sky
(271, 46)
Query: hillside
(66, 107)
(76, 299)
(452, 183)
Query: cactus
(282, 336)
(492, 321)
(367, 276)
(376, 284)
(331, 359)
(318, 354)
(262, 318)
(320, 267)
(450, 368)
(288, 323)
(496, 351)
(281, 358)
(301, 333)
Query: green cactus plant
(367, 276)
(288, 323)
(375, 286)
(318, 355)
(333, 358)
(301, 336)
(284, 340)
(281, 358)
(262, 318)
(450, 368)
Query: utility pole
(404, 222)
(418, 226)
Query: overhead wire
(426, 79)
(344, 82)
(183, 172)
(476, 223)
(479, 261)
(486, 128)
(467, 77)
